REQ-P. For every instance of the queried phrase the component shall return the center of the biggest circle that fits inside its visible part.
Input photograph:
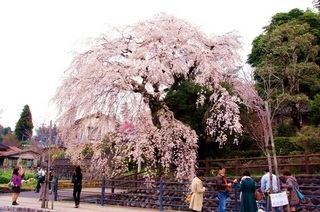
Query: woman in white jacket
(197, 190)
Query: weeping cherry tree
(111, 101)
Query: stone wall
(174, 196)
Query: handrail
(164, 195)
(305, 162)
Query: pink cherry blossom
(125, 76)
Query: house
(11, 156)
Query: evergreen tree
(7, 130)
(4, 131)
(288, 53)
(316, 4)
(24, 126)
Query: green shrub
(286, 130)
(245, 153)
(29, 175)
(284, 145)
(5, 177)
(25, 143)
(308, 139)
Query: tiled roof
(3, 147)
(10, 151)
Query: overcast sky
(38, 36)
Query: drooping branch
(126, 77)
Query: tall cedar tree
(24, 126)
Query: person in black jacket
(77, 185)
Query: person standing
(197, 190)
(42, 178)
(223, 186)
(38, 173)
(77, 185)
(289, 185)
(17, 176)
(265, 187)
(50, 180)
(247, 187)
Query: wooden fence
(298, 164)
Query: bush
(5, 177)
(308, 139)
(29, 175)
(245, 153)
(284, 145)
(286, 130)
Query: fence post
(307, 162)
(237, 166)
(103, 186)
(236, 197)
(207, 167)
(112, 186)
(160, 171)
(161, 195)
(55, 188)
(135, 179)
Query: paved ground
(29, 201)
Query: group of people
(247, 188)
(289, 185)
(18, 175)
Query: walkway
(28, 201)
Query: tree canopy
(24, 126)
(288, 55)
(111, 102)
(4, 131)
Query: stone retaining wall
(175, 194)
(174, 199)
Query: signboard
(279, 199)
